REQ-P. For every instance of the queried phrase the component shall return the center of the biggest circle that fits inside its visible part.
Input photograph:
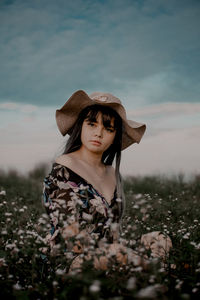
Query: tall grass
(170, 205)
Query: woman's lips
(98, 143)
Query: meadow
(153, 203)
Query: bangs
(107, 115)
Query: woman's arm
(62, 205)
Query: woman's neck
(91, 158)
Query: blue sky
(144, 52)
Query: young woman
(83, 193)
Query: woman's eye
(110, 129)
(91, 124)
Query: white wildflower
(41, 221)
(60, 272)
(186, 236)
(7, 214)
(32, 233)
(179, 284)
(17, 286)
(148, 292)
(45, 216)
(3, 193)
(131, 283)
(161, 270)
(118, 200)
(30, 286)
(132, 242)
(20, 232)
(114, 226)
(138, 196)
(138, 269)
(143, 210)
(136, 206)
(141, 202)
(15, 250)
(152, 279)
(95, 287)
(2, 261)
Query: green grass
(170, 205)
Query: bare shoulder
(65, 160)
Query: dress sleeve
(61, 204)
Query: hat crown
(104, 97)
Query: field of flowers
(155, 203)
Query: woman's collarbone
(103, 184)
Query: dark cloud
(149, 49)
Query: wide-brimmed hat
(67, 116)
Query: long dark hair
(113, 152)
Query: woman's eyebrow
(91, 120)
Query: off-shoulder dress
(76, 208)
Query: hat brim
(68, 114)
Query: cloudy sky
(146, 52)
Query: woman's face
(95, 137)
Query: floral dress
(78, 213)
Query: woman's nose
(99, 131)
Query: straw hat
(68, 114)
